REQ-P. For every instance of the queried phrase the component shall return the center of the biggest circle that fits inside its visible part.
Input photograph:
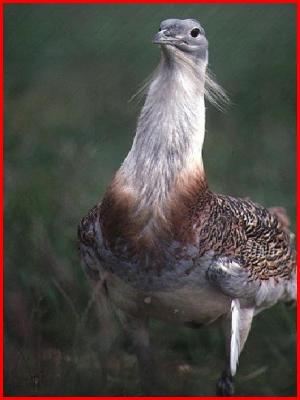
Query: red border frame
(147, 1)
(1, 200)
(1, 163)
(298, 173)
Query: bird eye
(195, 32)
(159, 29)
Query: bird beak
(162, 38)
(158, 38)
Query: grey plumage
(165, 245)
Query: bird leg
(235, 326)
(137, 331)
(107, 322)
(225, 386)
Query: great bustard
(166, 246)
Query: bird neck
(168, 143)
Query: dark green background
(69, 73)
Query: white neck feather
(170, 132)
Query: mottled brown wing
(247, 233)
(257, 247)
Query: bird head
(185, 36)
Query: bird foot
(225, 386)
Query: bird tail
(281, 214)
(291, 291)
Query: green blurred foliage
(69, 73)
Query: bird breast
(192, 303)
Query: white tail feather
(235, 335)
